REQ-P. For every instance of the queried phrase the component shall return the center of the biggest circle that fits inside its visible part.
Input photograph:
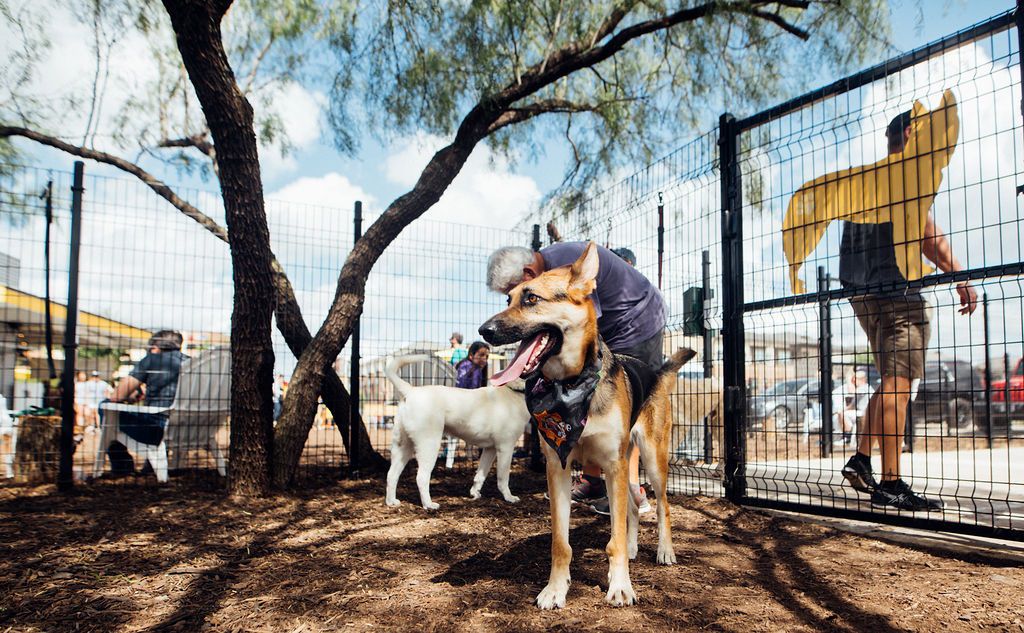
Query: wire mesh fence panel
(668, 215)
(143, 268)
(426, 297)
(850, 195)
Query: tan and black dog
(555, 320)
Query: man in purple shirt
(630, 318)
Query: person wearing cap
(92, 392)
(158, 371)
(630, 318)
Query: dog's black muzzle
(497, 332)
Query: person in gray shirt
(630, 318)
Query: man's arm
(125, 388)
(936, 248)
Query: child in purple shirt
(471, 372)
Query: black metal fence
(146, 267)
(764, 414)
(795, 372)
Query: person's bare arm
(936, 248)
(125, 388)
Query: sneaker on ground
(583, 491)
(601, 506)
(858, 473)
(898, 494)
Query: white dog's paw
(620, 594)
(666, 556)
(552, 596)
(431, 506)
(632, 550)
(392, 503)
(512, 499)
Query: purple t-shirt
(629, 308)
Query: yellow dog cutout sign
(900, 189)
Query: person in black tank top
(895, 319)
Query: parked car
(1001, 410)
(782, 404)
(953, 392)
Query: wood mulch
(184, 557)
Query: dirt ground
(183, 557)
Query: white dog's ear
(583, 273)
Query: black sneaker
(898, 494)
(857, 471)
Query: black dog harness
(560, 408)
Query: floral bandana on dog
(559, 409)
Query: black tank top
(867, 257)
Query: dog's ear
(583, 273)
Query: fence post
(733, 343)
(661, 235)
(988, 373)
(536, 462)
(705, 267)
(825, 362)
(65, 474)
(353, 386)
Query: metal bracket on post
(733, 342)
(353, 382)
(65, 475)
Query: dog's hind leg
(559, 492)
(401, 453)
(504, 466)
(655, 458)
(426, 457)
(484, 467)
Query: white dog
(490, 417)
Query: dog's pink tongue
(518, 364)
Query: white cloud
(486, 192)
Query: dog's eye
(531, 299)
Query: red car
(1015, 390)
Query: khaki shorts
(898, 330)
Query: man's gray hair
(505, 267)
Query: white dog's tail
(391, 371)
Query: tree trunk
(296, 334)
(300, 404)
(196, 26)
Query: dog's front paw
(431, 506)
(392, 503)
(474, 494)
(552, 596)
(512, 499)
(666, 556)
(620, 594)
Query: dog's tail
(391, 371)
(675, 361)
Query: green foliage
(425, 64)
